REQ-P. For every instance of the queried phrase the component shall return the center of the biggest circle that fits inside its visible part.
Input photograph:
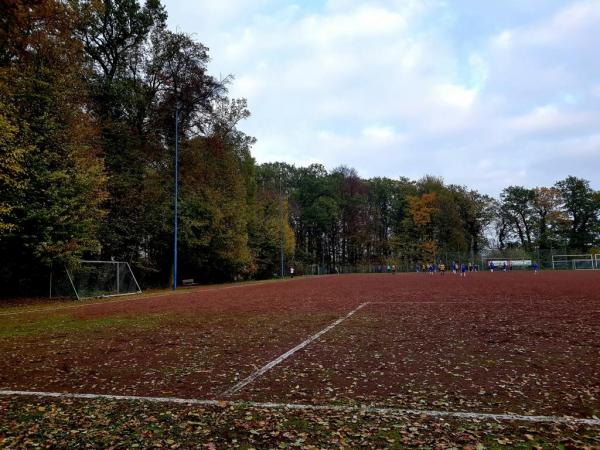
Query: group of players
(461, 268)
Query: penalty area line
(239, 386)
(374, 410)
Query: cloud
(379, 133)
(485, 95)
(454, 95)
(545, 119)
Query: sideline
(239, 386)
(510, 417)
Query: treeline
(89, 91)
(341, 220)
(564, 216)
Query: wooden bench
(188, 282)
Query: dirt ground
(489, 343)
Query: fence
(515, 260)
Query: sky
(485, 94)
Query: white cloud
(364, 22)
(454, 95)
(413, 83)
(379, 133)
(504, 40)
(549, 118)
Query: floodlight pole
(281, 227)
(175, 217)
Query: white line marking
(232, 390)
(450, 302)
(143, 297)
(331, 408)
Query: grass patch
(69, 324)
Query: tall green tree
(14, 152)
(55, 201)
(516, 212)
(114, 34)
(582, 205)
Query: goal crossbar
(572, 257)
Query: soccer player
(463, 270)
(535, 267)
(442, 267)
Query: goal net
(102, 279)
(583, 264)
(573, 262)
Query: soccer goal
(583, 264)
(91, 279)
(573, 262)
(597, 260)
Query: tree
(582, 205)
(55, 199)
(549, 217)
(385, 211)
(516, 212)
(351, 193)
(113, 34)
(112, 31)
(270, 225)
(422, 209)
(476, 213)
(13, 155)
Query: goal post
(90, 279)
